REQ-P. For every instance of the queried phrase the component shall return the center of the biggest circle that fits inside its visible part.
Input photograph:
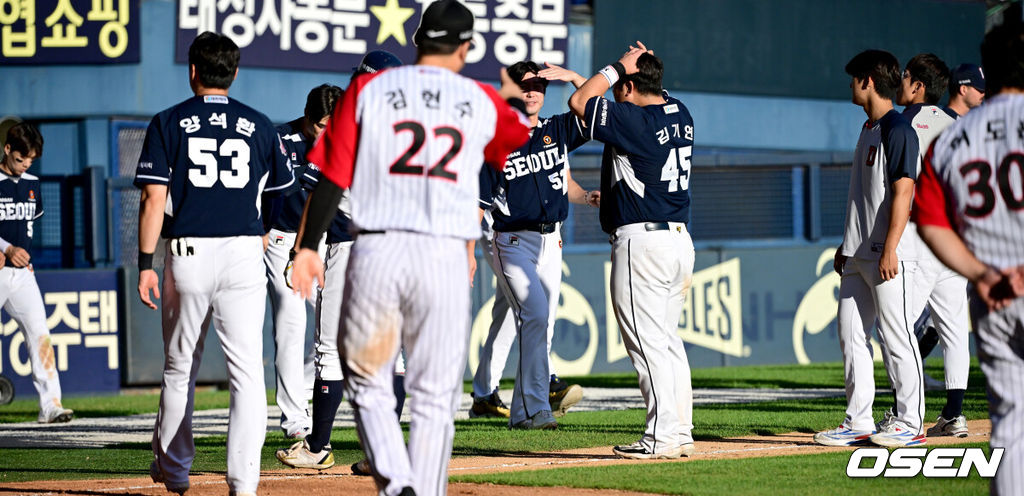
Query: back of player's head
(520, 69)
(1002, 56)
(215, 58)
(444, 26)
(881, 66)
(932, 72)
(25, 139)
(321, 101)
(647, 79)
(376, 60)
(966, 75)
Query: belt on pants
(543, 227)
(645, 227)
(365, 231)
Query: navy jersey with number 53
(645, 171)
(20, 205)
(217, 156)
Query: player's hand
(288, 269)
(306, 268)
(17, 256)
(629, 59)
(471, 255)
(3, 260)
(888, 265)
(148, 280)
(593, 198)
(553, 72)
(509, 88)
(266, 241)
(999, 289)
(839, 262)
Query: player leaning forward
(409, 143)
(205, 164)
(19, 293)
(877, 263)
(645, 206)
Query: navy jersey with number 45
(645, 171)
(20, 205)
(217, 156)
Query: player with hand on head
(527, 201)
(966, 88)
(878, 263)
(19, 293)
(205, 164)
(289, 309)
(645, 208)
(315, 451)
(969, 210)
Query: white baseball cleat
(638, 451)
(842, 436)
(894, 435)
(956, 426)
(299, 456)
(56, 415)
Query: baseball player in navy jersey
(969, 208)
(531, 201)
(315, 450)
(966, 88)
(409, 143)
(877, 263)
(289, 308)
(943, 291)
(645, 207)
(21, 203)
(204, 166)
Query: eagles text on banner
(69, 31)
(333, 35)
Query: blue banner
(39, 32)
(81, 309)
(333, 35)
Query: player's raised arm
(599, 83)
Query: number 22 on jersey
(439, 170)
(677, 169)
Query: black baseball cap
(445, 21)
(968, 74)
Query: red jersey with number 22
(409, 142)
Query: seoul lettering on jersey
(212, 151)
(20, 205)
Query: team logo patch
(31, 194)
(559, 243)
(547, 140)
(278, 240)
(295, 157)
(871, 155)
(514, 241)
(324, 390)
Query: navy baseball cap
(377, 60)
(968, 74)
(445, 21)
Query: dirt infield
(340, 479)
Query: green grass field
(482, 437)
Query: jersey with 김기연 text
(533, 187)
(217, 156)
(645, 170)
(973, 181)
(296, 145)
(338, 231)
(21, 203)
(409, 142)
(886, 152)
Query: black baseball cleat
(407, 491)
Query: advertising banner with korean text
(44, 32)
(333, 35)
(81, 312)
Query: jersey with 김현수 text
(645, 171)
(973, 181)
(217, 156)
(533, 186)
(21, 203)
(409, 142)
(887, 151)
(296, 146)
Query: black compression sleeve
(518, 104)
(323, 206)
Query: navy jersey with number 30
(20, 205)
(645, 172)
(217, 156)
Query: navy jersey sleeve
(281, 179)
(154, 163)
(310, 176)
(901, 152)
(488, 181)
(572, 129)
(617, 124)
(39, 203)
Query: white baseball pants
(223, 279)
(406, 289)
(328, 312)
(529, 269)
(1001, 353)
(945, 293)
(651, 276)
(500, 335)
(290, 357)
(20, 296)
(863, 296)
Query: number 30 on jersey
(677, 169)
